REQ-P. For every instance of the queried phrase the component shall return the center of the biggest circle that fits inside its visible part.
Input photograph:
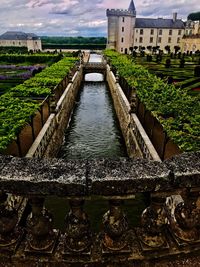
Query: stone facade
(21, 39)
(191, 39)
(125, 30)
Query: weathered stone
(44, 177)
(186, 169)
(125, 176)
(4, 160)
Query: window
(122, 40)
(170, 32)
(178, 40)
(141, 40)
(122, 29)
(136, 31)
(19, 43)
(152, 31)
(159, 39)
(141, 31)
(136, 39)
(179, 32)
(122, 49)
(123, 19)
(169, 40)
(13, 42)
(151, 40)
(160, 32)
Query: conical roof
(132, 6)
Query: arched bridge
(95, 67)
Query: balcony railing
(169, 225)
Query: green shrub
(175, 109)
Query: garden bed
(22, 117)
(176, 111)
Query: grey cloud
(80, 17)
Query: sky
(80, 17)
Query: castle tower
(120, 28)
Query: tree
(149, 47)
(182, 63)
(168, 63)
(135, 47)
(176, 49)
(194, 16)
(155, 48)
(167, 48)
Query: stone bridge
(165, 236)
(94, 67)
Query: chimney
(174, 16)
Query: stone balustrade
(169, 224)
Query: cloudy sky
(80, 17)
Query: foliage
(14, 115)
(74, 46)
(13, 50)
(194, 16)
(44, 82)
(33, 58)
(176, 110)
(73, 42)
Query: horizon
(73, 18)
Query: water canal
(93, 132)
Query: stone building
(21, 39)
(191, 38)
(125, 30)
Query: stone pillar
(115, 233)
(78, 236)
(10, 232)
(41, 237)
(153, 220)
(186, 226)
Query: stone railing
(169, 227)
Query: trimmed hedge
(44, 82)
(175, 109)
(33, 58)
(15, 113)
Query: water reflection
(94, 131)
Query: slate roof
(159, 23)
(131, 6)
(12, 35)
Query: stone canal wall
(137, 142)
(50, 137)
